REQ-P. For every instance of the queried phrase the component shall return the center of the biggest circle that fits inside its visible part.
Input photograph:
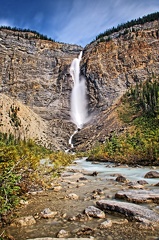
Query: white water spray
(79, 112)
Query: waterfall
(79, 111)
(70, 140)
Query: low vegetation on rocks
(27, 33)
(21, 171)
(138, 144)
(129, 24)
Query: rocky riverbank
(89, 203)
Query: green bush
(20, 169)
(9, 190)
(139, 144)
(16, 159)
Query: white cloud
(6, 22)
(88, 18)
(83, 21)
(38, 18)
(77, 21)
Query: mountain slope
(19, 120)
(111, 67)
(36, 72)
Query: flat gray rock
(152, 174)
(130, 210)
(139, 196)
(94, 212)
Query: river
(90, 181)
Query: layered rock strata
(36, 72)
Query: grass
(138, 144)
(20, 169)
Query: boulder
(23, 202)
(82, 179)
(24, 221)
(79, 217)
(152, 174)
(130, 210)
(85, 230)
(62, 233)
(139, 196)
(121, 178)
(47, 213)
(72, 196)
(94, 212)
(106, 224)
(57, 188)
(91, 174)
(142, 182)
(135, 185)
(98, 192)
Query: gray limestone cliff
(36, 72)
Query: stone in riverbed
(98, 192)
(47, 213)
(121, 178)
(24, 221)
(130, 210)
(57, 188)
(72, 196)
(106, 224)
(82, 179)
(142, 182)
(85, 230)
(139, 196)
(62, 233)
(135, 185)
(94, 212)
(23, 202)
(152, 174)
(79, 217)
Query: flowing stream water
(108, 169)
(78, 179)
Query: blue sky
(72, 21)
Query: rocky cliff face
(111, 67)
(18, 119)
(37, 73)
(129, 56)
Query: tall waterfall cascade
(79, 110)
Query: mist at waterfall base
(79, 110)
